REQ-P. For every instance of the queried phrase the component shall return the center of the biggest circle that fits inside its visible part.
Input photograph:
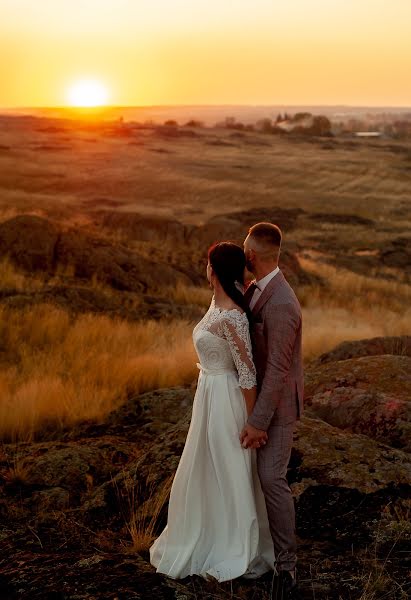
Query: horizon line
(223, 105)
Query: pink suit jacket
(276, 334)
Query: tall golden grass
(141, 518)
(353, 291)
(63, 369)
(17, 280)
(13, 279)
(190, 294)
(350, 307)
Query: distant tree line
(302, 123)
(391, 125)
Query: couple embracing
(231, 512)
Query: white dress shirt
(261, 285)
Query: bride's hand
(251, 437)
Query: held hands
(251, 437)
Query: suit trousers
(272, 461)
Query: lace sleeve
(237, 333)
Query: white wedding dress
(217, 520)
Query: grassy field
(65, 369)
(68, 169)
(354, 202)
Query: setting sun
(87, 93)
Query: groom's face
(249, 255)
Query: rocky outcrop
(195, 240)
(234, 226)
(77, 300)
(368, 395)
(349, 491)
(154, 412)
(397, 254)
(400, 345)
(138, 226)
(373, 256)
(59, 472)
(74, 299)
(68, 503)
(323, 455)
(114, 265)
(95, 574)
(29, 241)
(340, 219)
(34, 243)
(229, 226)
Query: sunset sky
(149, 52)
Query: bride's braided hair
(228, 262)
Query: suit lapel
(248, 294)
(268, 292)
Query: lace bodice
(222, 342)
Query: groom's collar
(264, 281)
(268, 291)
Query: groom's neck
(262, 271)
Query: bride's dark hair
(228, 262)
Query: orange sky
(146, 52)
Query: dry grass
(190, 294)
(15, 281)
(54, 368)
(376, 580)
(142, 517)
(11, 279)
(325, 327)
(355, 292)
(73, 170)
(16, 470)
(60, 369)
(64, 370)
(351, 307)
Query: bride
(217, 521)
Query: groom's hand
(251, 437)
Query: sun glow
(87, 93)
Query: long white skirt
(217, 520)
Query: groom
(276, 328)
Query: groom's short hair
(267, 234)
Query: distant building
(368, 134)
